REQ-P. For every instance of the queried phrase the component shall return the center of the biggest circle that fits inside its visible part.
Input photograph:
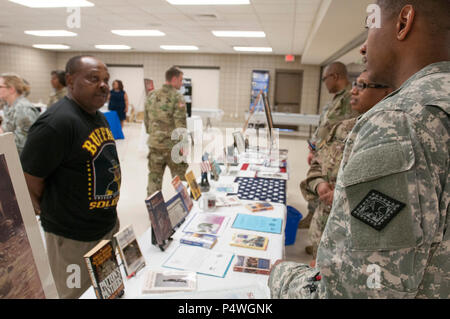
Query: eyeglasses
(326, 77)
(363, 86)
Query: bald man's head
(335, 77)
(338, 68)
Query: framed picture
(260, 83)
(24, 267)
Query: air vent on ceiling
(205, 16)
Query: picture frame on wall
(24, 267)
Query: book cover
(181, 189)
(227, 201)
(259, 207)
(249, 241)
(159, 217)
(201, 240)
(258, 223)
(176, 210)
(104, 271)
(195, 189)
(252, 265)
(129, 250)
(169, 281)
(204, 223)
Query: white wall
(205, 87)
(133, 84)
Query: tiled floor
(133, 161)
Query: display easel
(166, 242)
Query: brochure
(201, 260)
(258, 223)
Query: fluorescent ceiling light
(51, 33)
(53, 3)
(208, 2)
(112, 47)
(51, 46)
(239, 34)
(252, 49)
(179, 47)
(139, 33)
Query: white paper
(201, 260)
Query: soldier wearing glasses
(322, 175)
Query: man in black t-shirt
(73, 174)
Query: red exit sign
(289, 58)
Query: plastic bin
(293, 218)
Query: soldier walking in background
(165, 111)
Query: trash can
(293, 218)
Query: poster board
(24, 269)
(260, 82)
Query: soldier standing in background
(387, 235)
(19, 113)
(165, 111)
(58, 82)
(321, 176)
(338, 109)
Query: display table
(155, 258)
(114, 124)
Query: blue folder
(258, 223)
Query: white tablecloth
(155, 258)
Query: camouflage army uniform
(56, 96)
(401, 149)
(18, 119)
(324, 168)
(335, 111)
(165, 111)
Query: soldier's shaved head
(338, 68)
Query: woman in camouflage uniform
(322, 175)
(19, 113)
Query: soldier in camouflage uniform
(58, 82)
(165, 111)
(387, 235)
(19, 113)
(321, 177)
(338, 109)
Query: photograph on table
(24, 267)
(252, 265)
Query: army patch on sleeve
(377, 209)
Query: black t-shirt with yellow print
(76, 154)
